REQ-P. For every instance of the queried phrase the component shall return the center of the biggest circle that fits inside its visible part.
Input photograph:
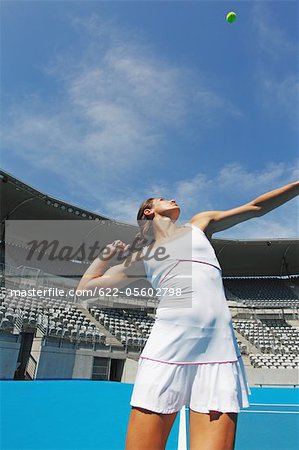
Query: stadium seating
(129, 327)
(275, 339)
(271, 361)
(262, 292)
(54, 317)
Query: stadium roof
(239, 258)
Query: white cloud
(233, 175)
(203, 193)
(271, 38)
(114, 105)
(278, 53)
(282, 225)
(284, 95)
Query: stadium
(48, 333)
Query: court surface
(85, 415)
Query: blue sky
(105, 104)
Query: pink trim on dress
(203, 262)
(169, 271)
(184, 363)
(193, 260)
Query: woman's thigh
(148, 430)
(213, 431)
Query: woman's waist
(185, 273)
(193, 315)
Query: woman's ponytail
(145, 236)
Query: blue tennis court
(86, 415)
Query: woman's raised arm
(215, 221)
(100, 274)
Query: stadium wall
(9, 352)
(56, 363)
(272, 376)
(83, 365)
(130, 370)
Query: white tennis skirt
(165, 388)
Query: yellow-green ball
(231, 17)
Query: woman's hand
(118, 248)
(93, 276)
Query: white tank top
(183, 248)
(193, 323)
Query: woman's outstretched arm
(215, 221)
(277, 197)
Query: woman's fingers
(121, 246)
(118, 243)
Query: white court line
(271, 412)
(273, 404)
(182, 437)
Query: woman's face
(163, 207)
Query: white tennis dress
(191, 357)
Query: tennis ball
(231, 17)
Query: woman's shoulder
(134, 263)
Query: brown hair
(145, 223)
